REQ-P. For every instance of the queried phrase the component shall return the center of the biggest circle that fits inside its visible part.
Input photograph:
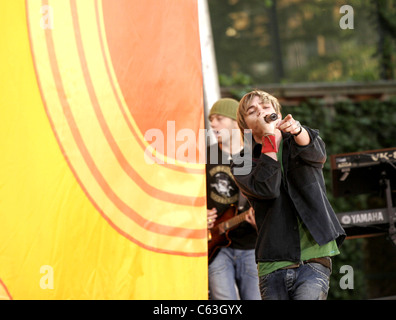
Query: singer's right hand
(267, 127)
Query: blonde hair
(245, 103)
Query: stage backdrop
(89, 208)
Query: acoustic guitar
(218, 235)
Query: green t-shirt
(309, 247)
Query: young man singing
(298, 231)
(233, 271)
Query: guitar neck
(231, 223)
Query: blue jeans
(231, 269)
(308, 282)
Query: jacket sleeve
(314, 153)
(260, 178)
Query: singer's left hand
(288, 124)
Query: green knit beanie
(226, 107)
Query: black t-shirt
(222, 192)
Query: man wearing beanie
(232, 269)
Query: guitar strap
(241, 201)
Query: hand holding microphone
(270, 117)
(269, 124)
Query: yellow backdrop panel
(83, 214)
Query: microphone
(270, 117)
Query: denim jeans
(308, 282)
(233, 270)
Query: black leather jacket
(279, 197)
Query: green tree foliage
(313, 46)
(384, 12)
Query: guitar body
(218, 235)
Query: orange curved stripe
(162, 63)
(106, 63)
(154, 249)
(149, 225)
(168, 165)
(4, 293)
(160, 194)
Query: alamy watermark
(47, 280)
(346, 21)
(47, 19)
(192, 148)
(347, 281)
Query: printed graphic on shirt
(222, 185)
